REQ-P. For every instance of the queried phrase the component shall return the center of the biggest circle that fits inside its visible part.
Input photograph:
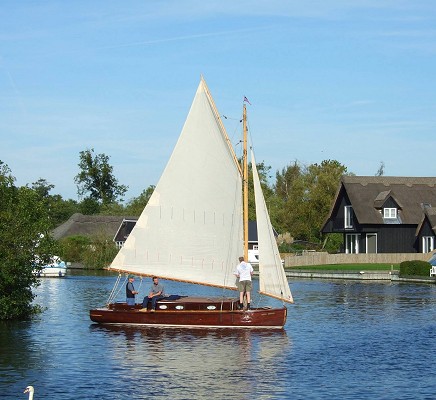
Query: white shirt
(244, 270)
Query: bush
(415, 268)
(94, 252)
(100, 253)
(73, 247)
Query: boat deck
(187, 303)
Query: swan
(30, 390)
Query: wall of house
(390, 238)
(396, 238)
(426, 230)
(337, 220)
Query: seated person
(156, 293)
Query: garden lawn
(348, 267)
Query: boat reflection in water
(187, 358)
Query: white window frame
(427, 244)
(352, 243)
(390, 213)
(348, 217)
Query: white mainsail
(191, 228)
(272, 277)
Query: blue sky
(352, 81)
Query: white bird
(30, 390)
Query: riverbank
(359, 275)
(362, 275)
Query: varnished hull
(192, 312)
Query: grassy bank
(347, 267)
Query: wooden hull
(192, 312)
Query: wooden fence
(322, 258)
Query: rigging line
(112, 291)
(232, 118)
(235, 217)
(125, 280)
(109, 300)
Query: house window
(389, 213)
(348, 217)
(427, 244)
(352, 243)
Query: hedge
(415, 268)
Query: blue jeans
(130, 301)
(153, 301)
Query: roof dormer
(388, 206)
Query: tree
(306, 194)
(25, 245)
(137, 204)
(381, 169)
(96, 178)
(94, 252)
(58, 209)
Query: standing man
(156, 293)
(130, 291)
(244, 271)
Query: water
(343, 340)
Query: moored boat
(56, 269)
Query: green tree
(135, 206)
(96, 178)
(94, 252)
(307, 194)
(100, 253)
(25, 245)
(59, 210)
(73, 247)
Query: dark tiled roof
(89, 225)
(367, 193)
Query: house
(128, 223)
(90, 225)
(381, 214)
(124, 231)
(119, 228)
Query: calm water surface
(343, 340)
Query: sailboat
(195, 227)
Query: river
(342, 340)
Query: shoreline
(362, 275)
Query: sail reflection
(186, 359)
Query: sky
(352, 81)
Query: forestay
(272, 277)
(191, 228)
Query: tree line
(299, 201)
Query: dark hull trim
(192, 313)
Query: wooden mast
(245, 182)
